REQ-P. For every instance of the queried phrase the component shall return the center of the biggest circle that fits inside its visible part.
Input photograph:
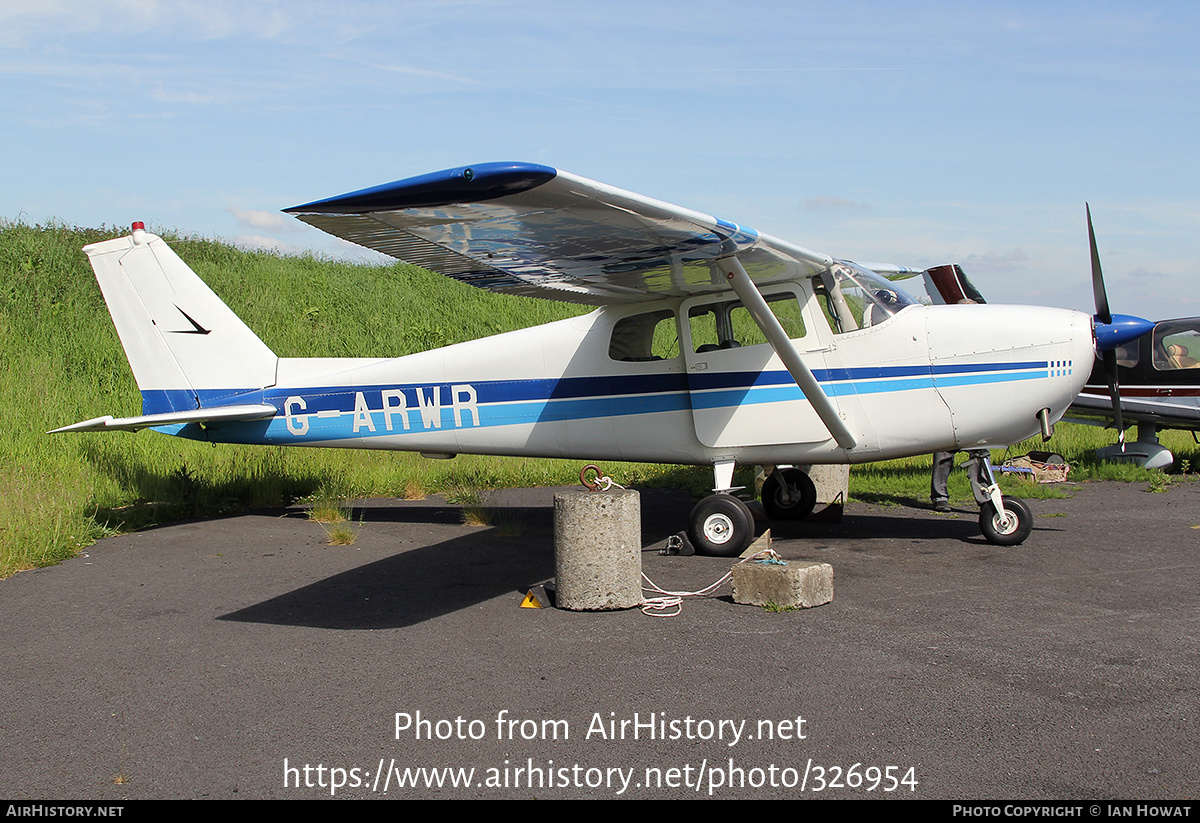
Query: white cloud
(420, 72)
(259, 219)
(161, 94)
(197, 20)
(994, 261)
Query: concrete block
(800, 584)
(832, 482)
(598, 550)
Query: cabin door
(741, 393)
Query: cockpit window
(854, 298)
(1128, 355)
(1177, 345)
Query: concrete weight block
(598, 549)
(797, 585)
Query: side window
(645, 337)
(705, 323)
(837, 310)
(786, 309)
(729, 325)
(1127, 355)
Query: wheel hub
(1006, 523)
(718, 528)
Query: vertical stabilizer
(187, 349)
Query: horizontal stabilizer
(219, 414)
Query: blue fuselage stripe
(338, 412)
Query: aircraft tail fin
(187, 349)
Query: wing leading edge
(533, 230)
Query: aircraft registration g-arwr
(711, 345)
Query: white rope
(602, 482)
(657, 606)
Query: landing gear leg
(1004, 521)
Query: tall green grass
(61, 362)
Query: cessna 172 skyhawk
(712, 345)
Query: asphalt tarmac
(246, 657)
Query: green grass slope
(61, 362)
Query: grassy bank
(61, 362)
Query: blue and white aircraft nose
(1121, 330)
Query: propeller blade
(1114, 392)
(1098, 292)
(1104, 316)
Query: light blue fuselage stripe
(715, 399)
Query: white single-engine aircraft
(712, 345)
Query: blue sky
(915, 133)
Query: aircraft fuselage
(670, 381)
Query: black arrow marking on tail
(195, 329)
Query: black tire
(721, 526)
(1001, 533)
(788, 494)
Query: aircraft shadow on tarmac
(414, 585)
(429, 581)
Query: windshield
(856, 298)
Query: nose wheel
(721, 526)
(1004, 521)
(1009, 527)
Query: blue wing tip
(465, 184)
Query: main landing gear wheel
(721, 526)
(1010, 530)
(788, 494)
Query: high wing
(536, 231)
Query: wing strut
(753, 300)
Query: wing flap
(1089, 408)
